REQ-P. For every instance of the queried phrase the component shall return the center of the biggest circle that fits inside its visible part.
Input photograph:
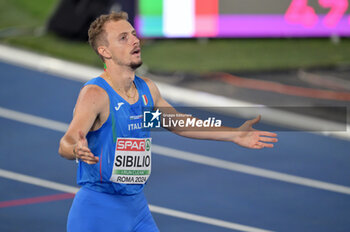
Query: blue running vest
(124, 121)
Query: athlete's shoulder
(93, 96)
(152, 88)
(94, 90)
(151, 85)
(145, 79)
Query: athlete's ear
(103, 51)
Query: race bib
(132, 161)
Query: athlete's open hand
(83, 152)
(247, 136)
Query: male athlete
(114, 158)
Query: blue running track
(176, 184)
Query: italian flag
(161, 18)
(145, 100)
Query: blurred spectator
(72, 18)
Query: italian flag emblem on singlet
(145, 100)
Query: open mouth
(136, 51)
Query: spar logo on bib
(148, 144)
(133, 145)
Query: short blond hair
(97, 33)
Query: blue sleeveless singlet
(124, 121)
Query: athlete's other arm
(91, 102)
(245, 135)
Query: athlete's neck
(121, 78)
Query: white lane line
(207, 220)
(47, 64)
(37, 181)
(192, 157)
(33, 120)
(156, 209)
(78, 72)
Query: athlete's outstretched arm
(90, 103)
(245, 135)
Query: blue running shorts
(93, 211)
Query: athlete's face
(124, 45)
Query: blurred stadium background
(286, 53)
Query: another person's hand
(82, 151)
(247, 136)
